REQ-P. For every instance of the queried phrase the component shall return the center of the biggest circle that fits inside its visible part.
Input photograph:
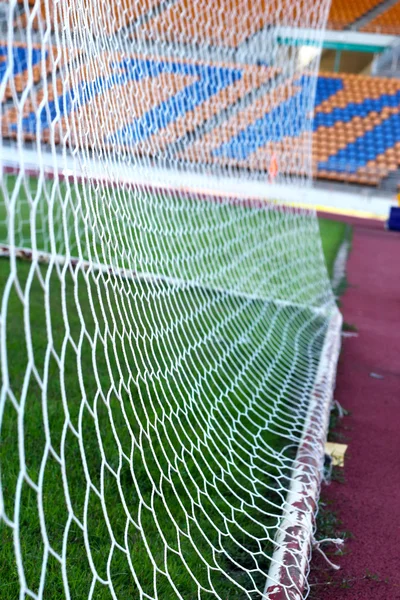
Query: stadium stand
(167, 99)
(39, 14)
(20, 65)
(344, 13)
(356, 129)
(387, 22)
(109, 16)
(39, 62)
(182, 21)
(212, 89)
(356, 132)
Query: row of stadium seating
(150, 105)
(357, 131)
(108, 15)
(137, 98)
(216, 23)
(178, 21)
(181, 21)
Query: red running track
(368, 502)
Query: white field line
(288, 570)
(305, 197)
(339, 266)
(83, 265)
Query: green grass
(152, 397)
(332, 236)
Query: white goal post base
(287, 574)
(75, 263)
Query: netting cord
(317, 545)
(340, 409)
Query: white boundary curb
(299, 196)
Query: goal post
(167, 343)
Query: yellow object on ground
(336, 452)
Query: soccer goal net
(167, 343)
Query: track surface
(368, 503)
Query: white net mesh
(160, 347)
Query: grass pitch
(125, 407)
(332, 236)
